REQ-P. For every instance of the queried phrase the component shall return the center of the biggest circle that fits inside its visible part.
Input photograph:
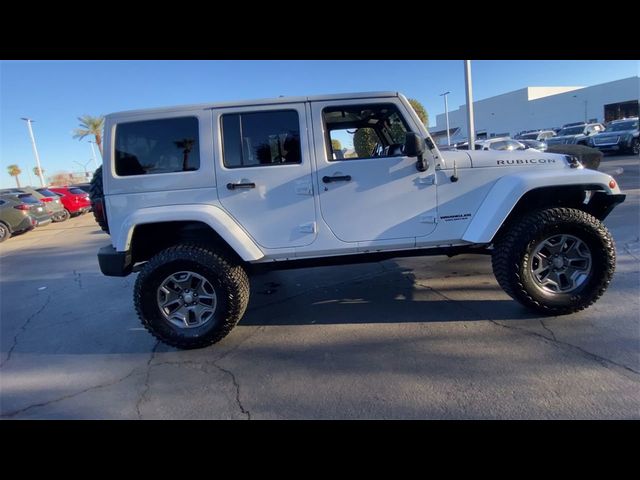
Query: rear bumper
(114, 263)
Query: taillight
(47, 199)
(22, 206)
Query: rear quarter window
(149, 147)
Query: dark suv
(620, 136)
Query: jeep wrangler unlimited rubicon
(195, 198)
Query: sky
(55, 93)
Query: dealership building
(542, 108)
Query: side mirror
(414, 146)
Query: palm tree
(36, 171)
(90, 126)
(14, 171)
(186, 145)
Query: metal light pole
(84, 166)
(446, 113)
(35, 150)
(470, 125)
(95, 162)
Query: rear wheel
(635, 146)
(5, 233)
(555, 261)
(188, 296)
(61, 216)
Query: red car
(75, 200)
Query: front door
(370, 192)
(264, 173)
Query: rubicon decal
(453, 218)
(527, 161)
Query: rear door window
(166, 145)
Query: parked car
(619, 136)
(60, 214)
(13, 217)
(540, 135)
(535, 144)
(576, 134)
(52, 203)
(500, 143)
(34, 208)
(82, 186)
(75, 200)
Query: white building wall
(541, 107)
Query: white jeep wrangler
(196, 198)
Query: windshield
(529, 136)
(617, 127)
(46, 192)
(571, 131)
(77, 191)
(28, 198)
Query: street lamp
(84, 166)
(95, 162)
(585, 108)
(35, 150)
(446, 113)
(469, 88)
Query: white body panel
(279, 212)
(380, 186)
(387, 206)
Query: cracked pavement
(430, 337)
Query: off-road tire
(228, 278)
(96, 193)
(512, 256)
(5, 232)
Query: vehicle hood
(564, 137)
(618, 133)
(529, 158)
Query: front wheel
(188, 296)
(635, 146)
(555, 261)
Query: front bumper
(114, 263)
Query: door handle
(233, 186)
(337, 178)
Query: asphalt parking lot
(425, 338)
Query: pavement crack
(605, 362)
(77, 277)
(237, 387)
(66, 397)
(22, 329)
(553, 335)
(143, 395)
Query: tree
(90, 126)
(14, 171)
(365, 139)
(36, 171)
(336, 145)
(420, 110)
(186, 145)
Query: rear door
(264, 172)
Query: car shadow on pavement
(396, 296)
